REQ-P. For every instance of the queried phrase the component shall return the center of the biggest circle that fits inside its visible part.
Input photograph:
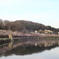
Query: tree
(1, 24)
(7, 24)
(16, 26)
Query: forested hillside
(22, 25)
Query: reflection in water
(10, 44)
(27, 50)
(23, 48)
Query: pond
(25, 50)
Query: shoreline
(5, 33)
(4, 36)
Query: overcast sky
(41, 11)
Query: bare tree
(7, 24)
(1, 24)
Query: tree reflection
(25, 49)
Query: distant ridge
(23, 25)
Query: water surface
(44, 50)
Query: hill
(22, 25)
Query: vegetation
(21, 25)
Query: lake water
(30, 52)
(47, 54)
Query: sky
(40, 11)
